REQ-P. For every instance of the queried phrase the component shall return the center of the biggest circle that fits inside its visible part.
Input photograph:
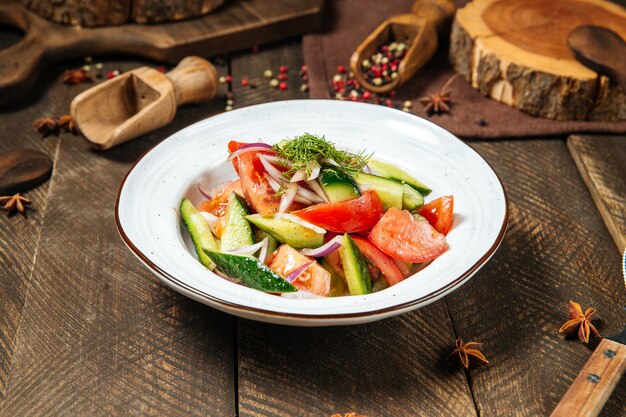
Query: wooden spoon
(428, 20)
(141, 101)
(600, 49)
(23, 169)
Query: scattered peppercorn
(282, 85)
(222, 80)
(382, 66)
(274, 82)
(283, 69)
(282, 76)
(304, 88)
(341, 69)
(267, 73)
(482, 122)
(244, 82)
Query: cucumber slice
(199, 230)
(411, 198)
(354, 266)
(286, 231)
(272, 243)
(389, 191)
(237, 232)
(254, 273)
(393, 172)
(338, 184)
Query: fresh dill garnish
(306, 150)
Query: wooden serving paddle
(601, 50)
(421, 29)
(141, 101)
(597, 380)
(23, 169)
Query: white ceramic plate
(151, 192)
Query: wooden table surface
(86, 330)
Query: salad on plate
(306, 219)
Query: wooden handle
(595, 383)
(194, 79)
(439, 13)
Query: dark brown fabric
(348, 22)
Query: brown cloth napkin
(348, 22)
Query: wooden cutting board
(238, 24)
(601, 161)
(516, 52)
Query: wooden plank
(556, 249)
(99, 334)
(251, 67)
(19, 236)
(387, 368)
(601, 161)
(235, 26)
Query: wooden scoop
(601, 50)
(428, 20)
(141, 101)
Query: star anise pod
(67, 123)
(580, 323)
(76, 76)
(465, 352)
(14, 202)
(48, 126)
(438, 102)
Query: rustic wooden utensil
(597, 380)
(428, 21)
(23, 169)
(141, 101)
(601, 50)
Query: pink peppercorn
(392, 94)
(161, 68)
(244, 82)
(283, 69)
(367, 95)
(282, 77)
(282, 86)
(229, 79)
(303, 69)
(341, 69)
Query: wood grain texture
(492, 47)
(380, 369)
(556, 249)
(595, 382)
(99, 334)
(236, 26)
(19, 235)
(601, 161)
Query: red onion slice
(330, 161)
(301, 222)
(275, 159)
(302, 200)
(326, 249)
(309, 195)
(299, 175)
(204, 193)
(263, 252)
(272, 182)
(315, 170)
(251, 147)
(296, 272)
(251, 249)
(286, 200)
(272, 170)
(210, 219)
(315, 186)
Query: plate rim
(211, 299)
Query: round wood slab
(516, 52)
(23, 169)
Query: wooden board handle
(194, 79)
(595, 383)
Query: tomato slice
(439, 213)
(386, 265)
(349, 216)
(407, 238)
